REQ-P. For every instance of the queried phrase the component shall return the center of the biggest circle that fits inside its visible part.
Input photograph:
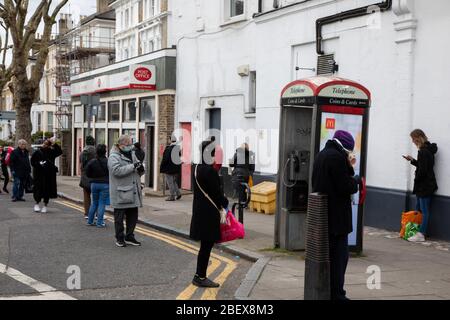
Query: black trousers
(203, 258)
(339, 255)
(6, 175)
(38, 198)
(131, 217)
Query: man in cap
(333, 175)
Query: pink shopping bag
(232, 230)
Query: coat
(168, 166)
(205, 223)
(124, 180)
(243, 164)
(425, 184)
(97, 170)
(44, 175)
(20, 163)
(333, 176)
(87, 155)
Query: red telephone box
(312, 110)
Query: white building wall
(384, 52)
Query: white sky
(75, 7)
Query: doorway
(149, 145)
(215, 122)
(186, 166)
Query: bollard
(317, 261)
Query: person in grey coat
(125, 171)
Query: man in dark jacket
(244, 166)
(140, 154)
(333, 175)
(171, 167)
(20, 169)
(87, 155)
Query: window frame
(252, 93)
(110, 113)
(228, 18)
(141, 109)
(124, 105)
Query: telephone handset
(297, 160)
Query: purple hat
(346, 139)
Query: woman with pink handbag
(207, 212)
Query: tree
(23, 32)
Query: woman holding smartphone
(425, 184)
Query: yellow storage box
(264, 198)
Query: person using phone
(425, 184)
(44, 173)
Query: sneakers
(44, 210)
(121, 244)
(133, 242)
(179, 197)
(418, 237)
(170, 199)
(37, 208)
(204, 283)
(103, 225)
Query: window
(252, 93)
(39, 121)
(114, 111)
(49, 121)
(131, 133)
(100, 137)
(113, 137)
(101, 113)
(78, 114)
(127, 18)
(236, 8)
(129, 111)
(147, 110)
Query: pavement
(411, 271)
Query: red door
(186, 167)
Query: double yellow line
(216, 260)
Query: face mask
(127, 149)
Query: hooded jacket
(425, 181)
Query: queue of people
(116, 181)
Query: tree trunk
(23, 100)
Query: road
(57, 256)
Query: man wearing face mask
(125, 171)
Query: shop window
(147, 109)
(49, 121)
(129, 111)
(100, 136)
(114, 111)
(78, 114)
(101, 112)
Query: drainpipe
(354, 13)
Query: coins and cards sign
(143, 77)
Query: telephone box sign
(343, 95)
(298, 95)
(143, 77)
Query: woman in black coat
(205, 224)
(44, 174)
(425, 184)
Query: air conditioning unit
(244, 70)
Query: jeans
(131, 216)
(100, 199)
(203, 258)
(339, 255)
(18, 187)
(423, 205)
(6, 175)
(171, 180)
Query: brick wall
(166, 127)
